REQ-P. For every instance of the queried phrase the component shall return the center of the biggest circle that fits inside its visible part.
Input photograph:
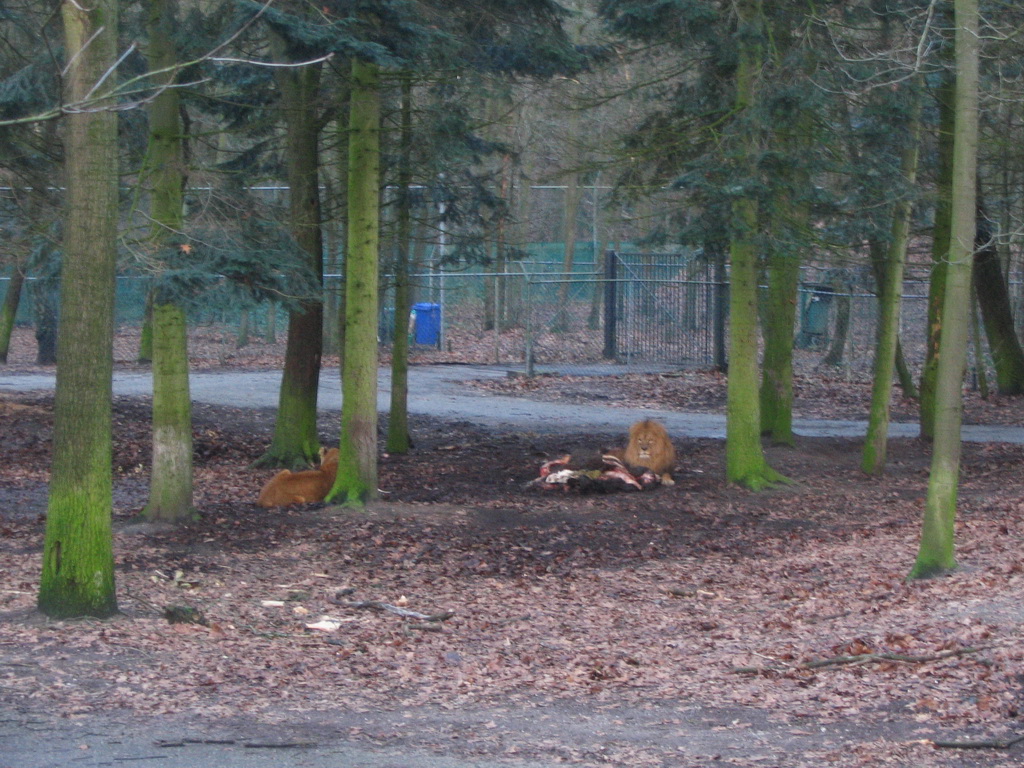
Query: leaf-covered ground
(687, 626)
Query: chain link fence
(627, 312)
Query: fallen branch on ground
(865, 658)
(868, 658)
(246, 744)
(403, 612)
(994, 744)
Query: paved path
(438, 390)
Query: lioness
(287, 487)
(649, 446)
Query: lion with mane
(650, 446)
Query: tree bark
(841, 331)
(936, 553)
(745, 461)
(356, 481)
(9, 311)
(573, 197)
(45, 300)
(398, 417)
(890, 294)
(945, 97)
(296, 442)
(777, 374)
(146, 335)
(996, 312)
(78, 562)
(170, 481)
(788, 218)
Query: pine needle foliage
(256, 262)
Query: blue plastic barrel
(428, 323)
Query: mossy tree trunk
(776, 392)
(788, 217)
(996, 312)
(78, 561)
(9, 311)
(873, 456)
(936, 553)
(296, 442)
(945, 95)
(398, 417)
(879, 252)
(745, 460)
(356, 481)
(170, 482)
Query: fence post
(527, 287)
(610, 305)
(721, 309)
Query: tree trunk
(270, 337)
(296, 441)
(936, 553)
(745, 461)
(890, 295)
(940, 250)
(904, 377)
(996, 312)
(561, 321)
(170, 481)
(777, 376)
(9, 311)
(980, 373)
(841, 332)
(600, 244)
(45, 300)
(78, 561)
(789, 218)
(903, 373)
(170, 484)
(398, 418)
(244, 321)
(332, 266)
(146, 335)
(356, 481)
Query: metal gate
(663, 308)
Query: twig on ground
(278, 744)
(868, 658)
(403, 612)
(994, 744)
(862, 658)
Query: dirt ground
(691, 625)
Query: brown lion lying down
(287, 487)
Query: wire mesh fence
(626, 312)
(655, 312)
